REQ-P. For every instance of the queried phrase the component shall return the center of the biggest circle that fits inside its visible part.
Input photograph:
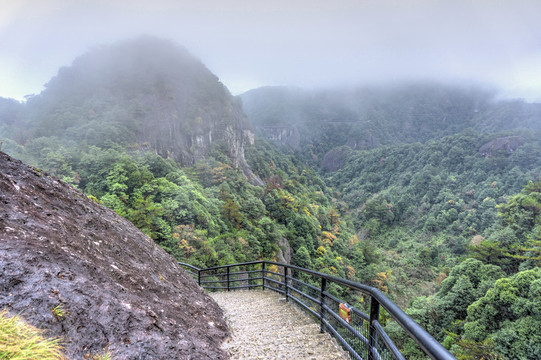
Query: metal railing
(361, 334)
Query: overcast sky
(251, 43)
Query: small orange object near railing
(345, 312)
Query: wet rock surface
(112, 287)
(265, 326)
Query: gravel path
(265, 326)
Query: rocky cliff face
(287, 136)
(116, 288)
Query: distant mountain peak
(145, 92)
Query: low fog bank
(305, 43)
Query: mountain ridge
(318, 122)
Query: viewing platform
(257, 299)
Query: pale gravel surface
(265, 326)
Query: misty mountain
(316, 123)
(9, 111)
(145, 92)
(420, 167)
(10, 118)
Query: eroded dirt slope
(116, 287)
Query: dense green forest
(208, 214)
(443, 182)
(429, 192)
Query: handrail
(374, 343)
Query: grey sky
(250, 43)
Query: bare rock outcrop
(508, 144)
(334, 159)
(112, 286)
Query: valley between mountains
(136, 156)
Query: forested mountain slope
(488, 305)
(429, 176)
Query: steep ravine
(116, 287)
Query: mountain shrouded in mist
(148, 92)
(317, 123)
(431, 175)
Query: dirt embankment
(111, 285)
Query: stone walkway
(265, 326)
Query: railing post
(248, 280)
(199, 277)
(228, 278)
(322, 304)
(286, 289)
(263, 275)
(372, 334)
